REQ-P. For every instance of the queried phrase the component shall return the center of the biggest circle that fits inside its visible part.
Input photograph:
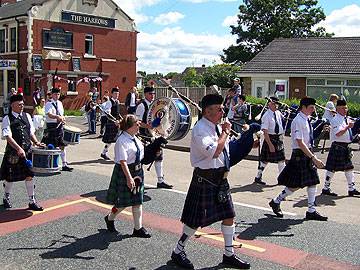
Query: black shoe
(181, 260)
(276, 208)
(315, 216)
(67, 169)
(164, 185)
(104, 156)
(7, 203)
(257, 180)
(235, 261)
(141, 233)
(110, 224)
(353, 193)
(35, 207)
(328, 192)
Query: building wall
(297, 87)
(247, 86)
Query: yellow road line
(58, 206)
(107, 206)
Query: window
(2, 40)
(71, 86)
(13, 39)
(89, 44)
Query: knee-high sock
(114, 212)
(261, 168)
(7, 189)
(106, 148)
(228, 233)
(328, 176)
(281, 166)
(63, 157)
(159, 171)
(187, 233)
(286, 192)
(30, 188)
(311, 191)
(137, 216)
(350, 179)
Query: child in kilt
(208, 199)
(301, 172)
(127, 180)
(340, 154)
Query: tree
(170, 75)
(222, 75)
(261, 21)
(192, 79)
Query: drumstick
(250, 117)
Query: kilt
(278, 155)
(339, 158)
(300, 171)
(54, 135)
(111, 132)
(201, 206)
(119, 194)
(14, 172)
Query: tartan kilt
(201, 206)
(54, 135)
(15, 172)
(111, 131)
(300, 172)
(339, 158)
(278, 155)
(119, 194)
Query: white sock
(187, 233)
(228, 233)
(106, 148)
(311, 191)
(63, 157)
(137, 216)
(114, 212)
(281, 166)
(30, 188)
(159, 171)
(7, 189)
(261, 168)
(328, 176)
(286, 192)
(350, 179)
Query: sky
(175, 34)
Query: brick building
(72, 44)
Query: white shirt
(140, 109)
(203, 146)
(125, 148)
(133, 100)
(300, 129)
(337, 124)
(268, 121)
(49, 108)
(107, 106)
(327, 114)
(6, 130)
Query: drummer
(18, 130)
(142, 112)
(55, 121)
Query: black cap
(341, 102)
(211, 99)
(55, 90)
(115, 89)
(273, 99)
(149, 89)
(306, 101)
(14, 98)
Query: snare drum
(45, 161)
(174, 115)
(71, 135)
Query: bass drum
(170, 117)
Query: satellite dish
(34, 10)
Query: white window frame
(88, 39)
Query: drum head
(72, 129)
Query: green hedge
(73, 113)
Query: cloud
(133, 8)
(204, 1)
(230, 20)
(344, 22)
(173, 49)
(169, 18)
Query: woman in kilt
(127, 180)
(111, 128)
(272, 149)
(208, 199)
(301, 172)
(340, 154)
(19, 132)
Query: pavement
(70, 233)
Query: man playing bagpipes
(272, 149)
(19, 132)
(340, 154)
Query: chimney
(5, 2)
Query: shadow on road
(93, 161)
(170, 265)
(13, 215)
(320, 200)
(253, 187)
